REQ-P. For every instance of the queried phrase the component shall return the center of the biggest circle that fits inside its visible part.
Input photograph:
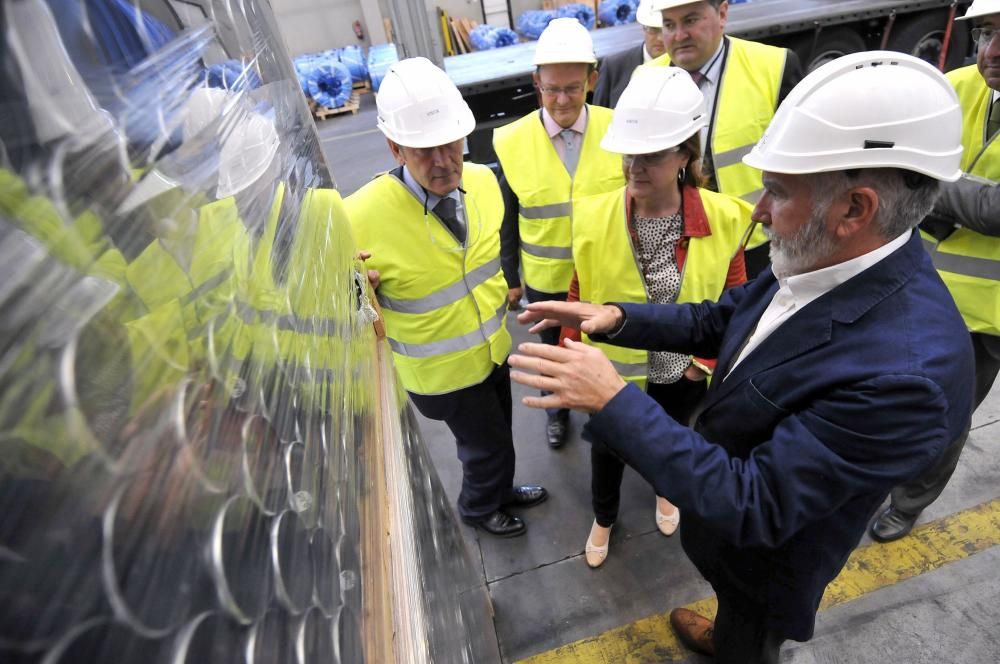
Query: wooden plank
(352, 106)
(459, 40)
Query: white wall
(309, 26)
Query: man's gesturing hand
(589, 318)
(579, 376)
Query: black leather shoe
(526, 496)
(556, 427)
(498, 523)
(891, 525)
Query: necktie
(697, 77)
(994, 122)
(571, 149)
(446, 210)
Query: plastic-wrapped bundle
(379, 59)
(617, 12)
(202, 443)
(484, 37)
(231, 75)
(584, 14)
(531, 23)
(330, 84)
(354, 60)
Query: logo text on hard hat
(433, 112)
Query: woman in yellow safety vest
(659, 239)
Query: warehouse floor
(932, 597)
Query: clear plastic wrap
(204, 456)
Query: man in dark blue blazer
(842, 370)
(615, 70)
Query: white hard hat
(878, 109)
(981, 8)
(661, 107)
(660, 5)
(420, 107)
(564, 40)
(246, 153)
(646, 15)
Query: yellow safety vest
(188, 318)
(546, 191)
(969, 262)
(444, 304)
(608, 269)
(745, 104)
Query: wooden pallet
(352, 106)
(361, 87)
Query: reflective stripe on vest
(546, 191)
(969, 262)
(608, 269)
(454, 344)
(446, 295)
(443, 303)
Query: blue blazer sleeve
(815, 461)
(694, 329)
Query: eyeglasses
(651, 158)
(688, 24)
(570, 90)
(984, 35)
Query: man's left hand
(579, 376)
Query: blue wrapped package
(617, 12)
(354, 60)
(584, 14)
(531, 23)
(380, 57)
(484, 37)
(330, 85)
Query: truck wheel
(922, 35)
(832, 43)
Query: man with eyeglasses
(616, 70)
(432, 227)
(962, 235)
(743, 83)
(549, 159)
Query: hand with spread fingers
(589, 318)
(577, 375)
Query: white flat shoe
(667, 523)
(596, 555)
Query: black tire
(922, 35)
(830, 45)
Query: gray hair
(904, 197)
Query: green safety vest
(546, 192)
(969, 262)
(744, 107)
(608, 268)
(444, 304)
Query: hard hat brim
(972, 13)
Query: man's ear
(592, 79)
(856, 213)
(397, 152)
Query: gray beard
(801, 252)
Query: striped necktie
(994, 121)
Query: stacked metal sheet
(203, 453)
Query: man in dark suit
(616, 70)
(841, 371)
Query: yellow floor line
(955, 537)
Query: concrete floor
(545, 596)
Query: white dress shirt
(797, 291)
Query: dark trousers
(480, 418)
(549, 336)
(679, 401)
(914, 496)
(741, 635)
